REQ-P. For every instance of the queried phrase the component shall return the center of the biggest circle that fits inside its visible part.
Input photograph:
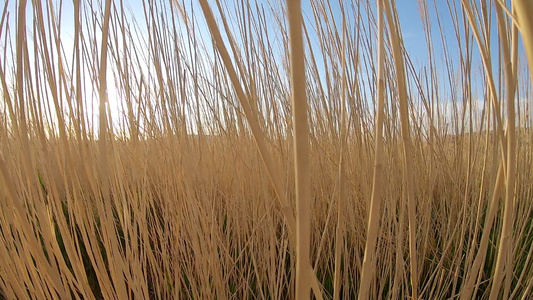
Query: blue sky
(408, 11)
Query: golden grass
(259, 152)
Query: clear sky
(408, 11)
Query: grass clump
(247, 149)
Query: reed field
(265, 149)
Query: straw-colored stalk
(523, 10)
(301, 151)
(104, 205)
(504, 260)
(377, 181)
(396, 44)
(341, 198)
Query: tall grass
(248, 149)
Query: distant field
(237, 150)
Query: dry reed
(228, 150)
